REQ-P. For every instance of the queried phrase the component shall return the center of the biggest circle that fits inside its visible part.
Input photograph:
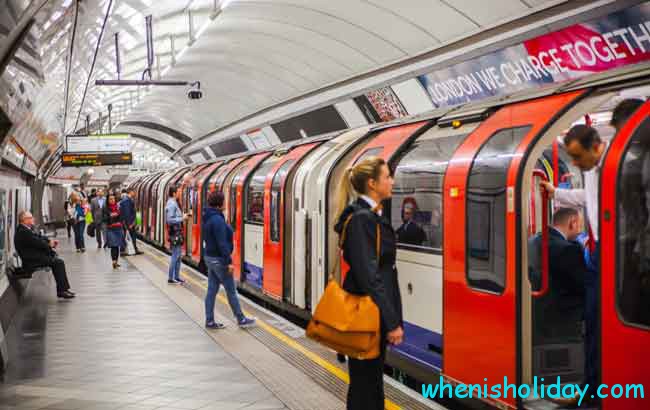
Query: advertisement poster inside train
(616, 40)
(386, 104)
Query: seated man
(37, 251)
(410, 232)
(558, 314)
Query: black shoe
(65, 295)
(71, 292)
(214, 325)
(172, 282)
(139, 253)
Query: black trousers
(133, 238)
(115, 253)
(366, 391)
(58, 271)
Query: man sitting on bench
(37, 251)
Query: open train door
(625, 272)
(482, 274)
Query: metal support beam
(190, 27)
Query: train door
(625, 273)
(235, 191)
(252, 248)
(384, 145)
(481, 320)
(277, 279)
(190, 207)
(201, 196)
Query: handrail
(545, 265)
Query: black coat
(411, 234)
(369, 275)
(564, 303)
(34, 249)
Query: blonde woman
(370, 182)
(79, 213)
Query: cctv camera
(195, 94)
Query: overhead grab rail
(538, 173)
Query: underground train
(470, 177)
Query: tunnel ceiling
(248, 55)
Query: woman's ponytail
(346, 191)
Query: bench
(15, 270)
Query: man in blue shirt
(174, 218)
(217, 247)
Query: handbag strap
(337, 262)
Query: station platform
(131, 341)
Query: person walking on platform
(370, 273)
(127, 210)
(114, 230)
(37, 251)
(97, 205)
(79, 214)
(174, 218)
(217, 249)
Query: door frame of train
(461, 301)
(620, 342)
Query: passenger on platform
(79, 214)
(587, 150)
(370, 274)
(37, 251)
(174, 219)
(114, 229)
(97, 205)
(217, 239)
(559, 313)
(410, 232)
(127, 210)
(69, 219)
(81, 191)
(93, 194)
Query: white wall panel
(351, 113)
(413, 96)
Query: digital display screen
(95, 159)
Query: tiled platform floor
(121, 344)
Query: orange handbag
(344, 322)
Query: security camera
(195, 92)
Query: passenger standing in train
(587, 150)
(370, 274)
(79, 222)
(114, 230)
(218, 246)
(174, 218)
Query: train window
(255, 194)
(416, 211)
(370, 152)
(194, 199)
(633, 224)
(486, 210)
(276, 208)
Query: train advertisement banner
(616, 40)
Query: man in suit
(37, 251)
(559, 314)
(97, 208)
(410, 232)
(128, 214)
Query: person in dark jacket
(559, 314)
(410, 232)
(217, 240)
(114, 230)
(37, 251)
(127, 211)
(369, 273)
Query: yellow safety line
(336, 371)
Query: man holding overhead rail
(587, 150)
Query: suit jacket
(96, 210)
(372, 274)
(565, 299)
(34, 249)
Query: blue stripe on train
(254, 274)
(417, 346)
